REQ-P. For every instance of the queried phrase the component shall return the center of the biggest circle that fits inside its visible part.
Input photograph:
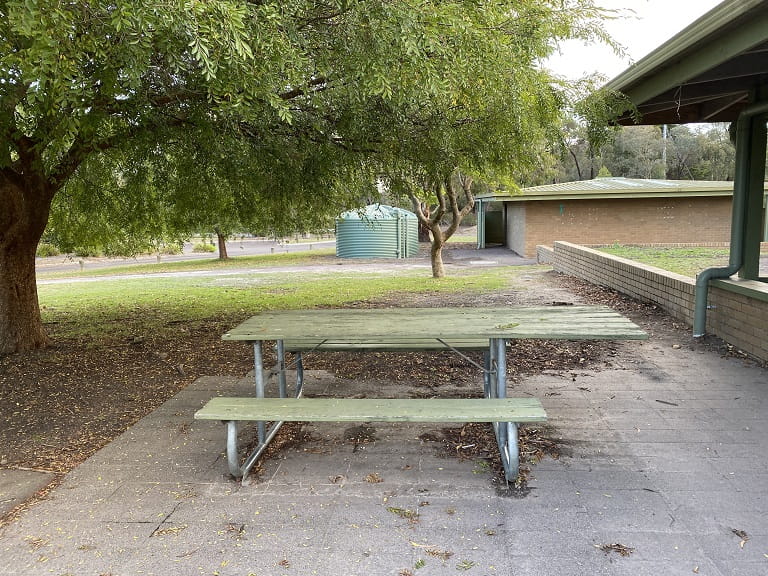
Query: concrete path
(664, 472)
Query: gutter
(738, 217)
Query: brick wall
(626, 221)
(739, 308)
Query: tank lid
(376, 212)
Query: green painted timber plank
(388, 324)
(385, 345)
(374, 409)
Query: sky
(649, 25)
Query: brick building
(607, 211)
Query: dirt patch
(59, 405)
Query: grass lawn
(113, 309)
(685, 261)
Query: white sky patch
(643, 27)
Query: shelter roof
(706, 73)
(602, 188)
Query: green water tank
(377, 231)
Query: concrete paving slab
(663, 455)
(18, 485)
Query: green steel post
(754, 207)
(745, 128)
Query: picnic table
(398, 329)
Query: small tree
(453, 198)
(509, 110)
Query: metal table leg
(233, 458)
(510, 451)
(281, 384)
(506, 432)
(258, 363)
(299, 374)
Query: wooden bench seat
(504, 413)
(374, 409)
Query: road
(245, 247)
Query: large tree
(89, 84)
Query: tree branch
(315, 85)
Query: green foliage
(597, 111)
(637, 152)
(700, 154)
(705, 153)
(498, 120)
(258, 117)
(89, 252)
(204, 247)
(171, 249)
(162, 117)
(604, 172)
(46, 249)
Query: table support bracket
(233, 454)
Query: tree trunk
(436, 259)
(21, 327)
(423, 228)
(222, 241)
(576, 162)
(22, 221)
(448, 201)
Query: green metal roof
(601, 188)
(707, 72)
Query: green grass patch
(114, 309)
(462, 239)
(686, 261)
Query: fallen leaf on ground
(620, 549)
(741, 534)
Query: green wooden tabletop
(359, 324)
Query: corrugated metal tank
(377, 231)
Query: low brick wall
(545, 255)
(738, 308)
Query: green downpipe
(738, 217)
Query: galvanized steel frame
(494, 385)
